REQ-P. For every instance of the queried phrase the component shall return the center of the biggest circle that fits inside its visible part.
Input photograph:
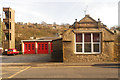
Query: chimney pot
(87, 15)
(98, 19)
(75, 20)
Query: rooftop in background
(47, 38)
(43, 39)
(7, 9)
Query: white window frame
(92, 43)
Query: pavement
(44, 60)
(50, 64)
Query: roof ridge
(88, 17)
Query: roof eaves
(109, 30)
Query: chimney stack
(99, 23)
(87, 15)
(98, 19)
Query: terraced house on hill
(86, 40)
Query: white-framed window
(87, 43)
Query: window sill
(87, 53)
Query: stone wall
(117, 46)
(10, 43)
(107, 47)
(119, 52)
(57, 54)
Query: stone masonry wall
(57, 54)
(107, 47)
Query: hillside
(24, 31)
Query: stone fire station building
(86, 40)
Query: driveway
(26, 58)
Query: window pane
(87, 47)
(25, 46)
(87, 37)
(79, 37)
(42, 46)
(46, 46)
(29, 46)
(78, 47)
(96, 37)
(96, 47)
(32, 46)
(39, 46)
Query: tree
(118, 28)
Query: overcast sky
(63, 11)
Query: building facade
(41, 45)
(0, 36)
(36, 46)
(87, 40)
(8, 29)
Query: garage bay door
(29, 48)
(42, 48)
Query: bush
(20, 52)
(4, 53)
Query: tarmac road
(29, 72)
